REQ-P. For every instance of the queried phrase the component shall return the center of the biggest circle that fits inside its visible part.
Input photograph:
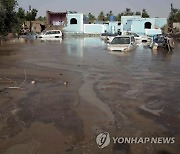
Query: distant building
(176, 26)
(36, 26)
(79, 23)
(75, 22)
(56, 18)
(147, 26)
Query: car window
(52, 32)
(132, 39)
(121, 40)
(48, 33)
(57, 32)
(135, 35)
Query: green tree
(91, 17)
(31, 15)
(110, 13)
(40, 18)
(101, 16)
(19, 20)
(128, 12)
(118, 17)
(7, 16)
(137, 13)
(21, 14)
(174, 16)
(145, 14)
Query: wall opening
(147, 25)
(73, 21)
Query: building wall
(113, 27)
(35, 26)
(94, 28)
(137, 25)
(79, 27)
(160, 22)
(124, 20)
(56, 18)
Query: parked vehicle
(122, 43)
(51, 34)
(111, 37)
(108, 36)
(104, 36)
(162, 41)
(29, 36)
(139, 38)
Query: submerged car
(139, 38)
(122, 43)
(110, 37)
(51, 34)
(29, 36)
(162, 41)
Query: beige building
(36, 26)
(176, 25)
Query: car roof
(125, 36)
(52, 30)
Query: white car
(122, 43)
(139, 38)
(51, 34)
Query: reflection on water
(162, 55)
(141, 87)
(51, 40)
(76, 46)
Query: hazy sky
(156, 8)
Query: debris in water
(66, 83)
(33, 82)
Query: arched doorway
(73, 21)
(147, 25)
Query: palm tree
(118, 17)
(145, 14)
(101, 16)
(91, 18)
(128, 12)
(174, 16)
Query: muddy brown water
(57, 96)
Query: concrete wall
(94, 28)
(124, 20)
(56, 18)
(137, 24)
(113, 27)
(160, 22)
(77, 28)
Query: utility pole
(30, 24)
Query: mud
(79, 90)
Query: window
(57, 32)
(132, 39)
(52, 32)
(73, 21)
(135, 35)
(147, 25)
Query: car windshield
(135, 35)
(52, 32)
(121, 40)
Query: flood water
(57, 96)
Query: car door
(48, 34)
